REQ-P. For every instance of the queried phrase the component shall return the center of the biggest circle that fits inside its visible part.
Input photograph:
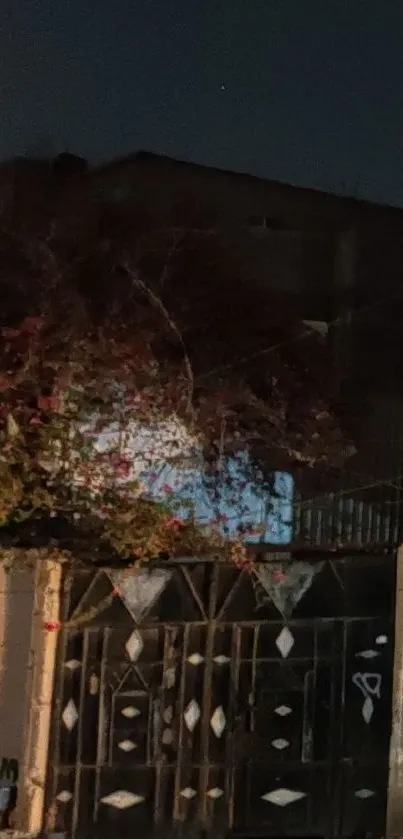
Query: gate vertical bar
(208, 675)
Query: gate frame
(32, 785)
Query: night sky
(304, 91)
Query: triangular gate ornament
(139, 590)
(286, 583)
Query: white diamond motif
(64, 796)
(280, 743)
(127, 745)
(130, 712)
(134, 645)
(285, 642)
(282, 796)
(218, 721)
(70, 715)
(221, 659)
(368, 654)
(195, 659)
(73, 664)
(188, 793)
(364, 793)
(381, 639)
(192, 715)
(368, 709)
(122, 799)
(215, 793)
(283, 710)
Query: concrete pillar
(16, 605)
(394, 821)
(28, 597)
(31, 793)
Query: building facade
(207, 701)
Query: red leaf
(32, 324)
(5, 382)
(52, 626)
(167, 488)
(48, 403)
(173, 524)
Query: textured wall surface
(16, 604)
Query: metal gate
(204, 700)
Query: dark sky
(305, 91)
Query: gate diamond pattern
(183, 706)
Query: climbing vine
(130, 343)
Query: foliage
(118, 319)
